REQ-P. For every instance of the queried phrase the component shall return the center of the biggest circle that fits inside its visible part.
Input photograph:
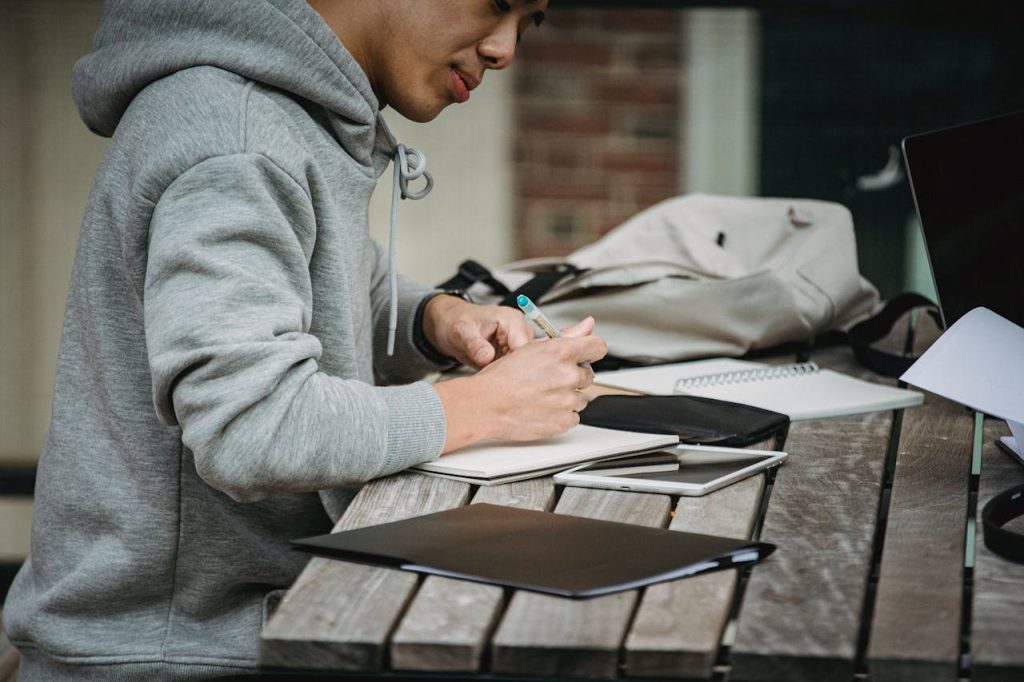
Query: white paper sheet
(978, 362)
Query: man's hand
(531, 393)
(475, 335)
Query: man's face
(432, 53)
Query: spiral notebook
(801, 390)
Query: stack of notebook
(493, 462)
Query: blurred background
(610, 108)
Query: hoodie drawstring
(400, 187)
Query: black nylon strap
(470, 272)
(863, 334)
(541, 283)
(1001, 509)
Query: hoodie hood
(282, 43)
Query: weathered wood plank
(678, 627)
(801, 610)
(543, 635)
(338, 615)
(534, 493)
(997, 623)
(915, 632)
(447, 626)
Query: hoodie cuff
(416, 426)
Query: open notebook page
(814, 395)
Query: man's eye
(503, 6)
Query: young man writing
(224, 381)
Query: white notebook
(492, 462)
(803, 390)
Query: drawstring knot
(402, 177)
(405, 174)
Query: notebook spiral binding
(746, 376)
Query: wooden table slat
(678, 627)
(915, 632)
(447, 626)
(533, 493)
(997, 623)
(338, 615)
(801, 610)
(544, 635)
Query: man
(224, 277)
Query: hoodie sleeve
(228, 306)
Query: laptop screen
(968, 184)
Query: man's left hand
(475, 335)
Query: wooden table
(872, 514)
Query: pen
(533, 312)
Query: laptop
(968, 187)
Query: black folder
(557, 554)
(704, 421)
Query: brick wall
(596, 124)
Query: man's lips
(463, 83)
(470, 80)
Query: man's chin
(422, 116)
(420, 112)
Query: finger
(519, 332)
(470, 346)
(480, 351)
(586, 348)
(505, 339)
(586, 378)
(582, 328)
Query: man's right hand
(528, 394)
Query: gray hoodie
(225, 327)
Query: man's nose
(499, 48)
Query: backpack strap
(541, 283)
(470, 272)
(866, 332)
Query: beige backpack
(699, 276)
